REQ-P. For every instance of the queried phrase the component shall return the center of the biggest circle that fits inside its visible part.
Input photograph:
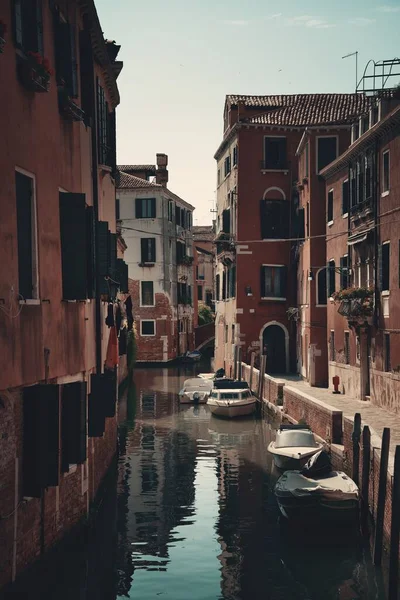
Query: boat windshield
(292, 438)
(229, 396)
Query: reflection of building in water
(156, 485)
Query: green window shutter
(39, 27)
(122, 275)
(153, 208)
(90, 252)
(73, 246)
(143, 250)
(41, 438)
(97, 418)
(73, 424)
(17, 23)
(138, 208)
(86, 64)
(111, 140)
(103, 256)
(24, 192)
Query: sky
(182, 57)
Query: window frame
(385, 190)
(274, 298)
(346, 346)
(147, 201)
(317, 291)
(151, 251)
(35, 299)
(265, 168)
(142, 281)
(346, 213)
(331, 265)
(330, 196)
(384, 289)
(318, 137)
(141, 327)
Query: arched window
(321, 287)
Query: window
(344, 272)
(226, 334)
(217, 287)
(384, 266)
(218, 176)
(321, 287)
(274, 219)
(227, 166)
(147, 293)
(308, 220)
(28, 25)
(117, 209)
(224, 285)
(368, 176)
(347, 347)
(170, 211)
(145, 208)
(330, 207)
(307, 160)
(353, 188)
(273, 281)
(233, 333)
(106, 143)
(73, 424)
(332, 351)
(345, 197)
(147, 328)
(209, 299)
(386, 172)
(232, 281)
(226, 220)
(148, 250)
(66, 57)
(28, 277)
(326, 151)
(331, 275)
(235, 155)
(386, 351)
(275, 153)
(200, 292)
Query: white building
(157, 228)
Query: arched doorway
(275, 339)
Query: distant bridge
(204, 335)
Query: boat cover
(336, 486)
(231, 384)
(197, 384)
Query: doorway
(274, 340)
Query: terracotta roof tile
(304, 109)
(136, 168)
(203, 232)
(130, 182)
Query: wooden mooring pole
(395, 531)
(235, 356)
(252, 359)
(366, 467)
(380, 510)
(263, 367)
(356, 448)
(239, 363)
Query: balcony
(68, 108)
(34, 72)
(187, 261)
(356, 304)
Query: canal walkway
(375, 417)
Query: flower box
(34, 71)
(68, 108)
(355, 303)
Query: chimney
(241, 108)
(162, 171)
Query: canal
(191, 515)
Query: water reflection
(197, 514)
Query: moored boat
(230, 398)
(317, 492)
(293, 446)
(195, 390)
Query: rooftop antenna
(356, 55)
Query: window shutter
(153, 208)
(138, 208)
(103, 256)
(284, 276)
(262, 282)
(39, 27)
(122, 275)
(97, 417)
(153, 250)
(23, 190)
(41, 438)
(74, 63)
(17, 23)
(143, 250)
(90, 252)
(112, 270)
(226, 221)
(87, 91)
(73, 229)
(111, 142)
(74, 423)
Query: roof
(137, 168)
(203, 233)
(125, 181)
(377, 131)
(305, 109)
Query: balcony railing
(356, 304)
(185, 260)
(364, 206)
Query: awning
(357, 238)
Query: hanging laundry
(112, 350)
(110, 315)
(129, 314)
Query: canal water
(191, 515)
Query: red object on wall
(335, 381)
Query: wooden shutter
(17, 23)
(111, 143)
(226, 221)
(39, 27)
(113, 263)
(262, 282)
(153, 208)
(217, 287)
(153, 250)
(73, 228)
(301, 233)
(103, 256)
(143, 250)
(87, 74)
(138, 208)
(24, 192)
(345, 197)
(122, 275)
(90, 252)
(41, 438)
(73, 423)
(97, 418)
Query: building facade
(58, 247)
(157, 228)
(362, 195)
(259, 219)
(203, 240)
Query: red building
(57, 273)
(363, 200)
(260, 221)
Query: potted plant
(35, 72)
(3, 31)
(355, 302)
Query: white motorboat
(293, 446)
(191, 356)
(195, 390)
(231, 399)
(316, 492)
